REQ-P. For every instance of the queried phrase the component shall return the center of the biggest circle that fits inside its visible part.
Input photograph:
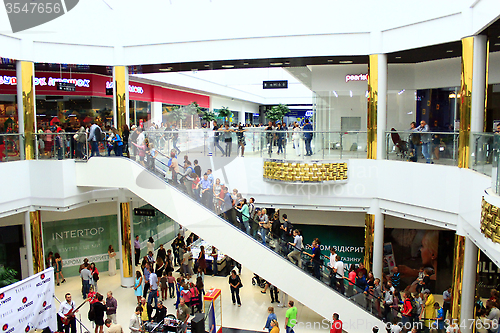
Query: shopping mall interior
(319, 100)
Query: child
(163, 284)
(171, 282)
(194, 297)
(201, 274)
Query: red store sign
(95, 85)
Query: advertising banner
(78, 239)
(29, 304)
(488, 277)
(348, 242)
(413, 250)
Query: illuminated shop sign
(44, 81)
(356, 77)
(132, 89)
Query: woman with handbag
(117, 142)
(95, 275)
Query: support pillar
(479, 84)
(458, 276)
(241, 116)
(25, 72)
(127, 268)
(377, 106)
(121, 97)
(34, 242)
(156, 112)
(382, 107)
(465, 102)
(469, 283)
(369, 226)
(378, 244)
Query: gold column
(486, 88)
(121, 88)
(28, 91)
(369, 230)
(465, 102)
(126, 239)
(371, 120)
(458, 276)
(36, 241)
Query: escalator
(231, 240)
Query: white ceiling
(244, 84)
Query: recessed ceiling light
(245, 64)
(287, 62)
(207, 65)
(330, 60)
(165, 69)
(449, 51)
(497, 44)
(276, 63)
(227, 66)
(398, 57)
(194, 69)
(345, 62)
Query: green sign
(348, 242)
(83, 238)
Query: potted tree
(225, 113)
(277, 112)
(7, 276)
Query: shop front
(91, 101)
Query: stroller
(258, 281)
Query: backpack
(98, 133)
(414, 307)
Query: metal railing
(11, 147)
(61, 145)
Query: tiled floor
(250, 316)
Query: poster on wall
(29, 304)
(422, 250)
(348, 242)
(488, 277)
(78, 239)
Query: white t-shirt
(452, 328)
(339, 266)
(297, 241)
(395, 328)
(333, 260)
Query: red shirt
(336, 326)
(407, 308)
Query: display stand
(213, 298)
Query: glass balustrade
(62, 145)
(11, 147)
(422, 147)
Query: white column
(29, 247)
(382, 106)
(156, 112)
(468, 283)
(241, 116)
(378, 243)
(478, 84)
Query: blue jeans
(263, 234)
(174, 143)
(247, 226)
(426, 151)
(308, 146)
(316, 270)
(153, 294)
(85, 288)
(217, 145)
(119, 150)
(214, 267)
(289, 329)
(94, 148)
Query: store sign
(275, 84)
(309, 113)
(44, 81)
(65, 86)
(356, 77)
(144, 212)
(131, 89)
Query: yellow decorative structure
(465, 102)
(458, 277)
(126, 222)
(121, 87)
(371, 120)
(369, 231)
(490, 221)
(304, 172)
(28, 91)
(37, 241)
